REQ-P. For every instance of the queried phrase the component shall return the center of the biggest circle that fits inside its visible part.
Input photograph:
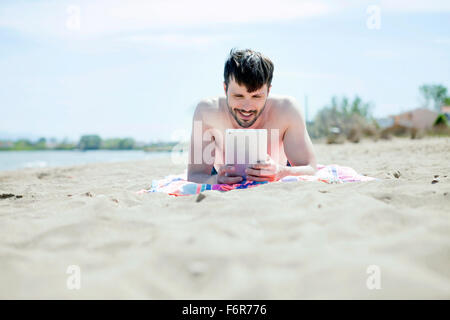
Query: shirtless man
(247, 83)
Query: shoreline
(17, 160)
(319, 143)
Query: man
(247, 83)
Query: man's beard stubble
(245, 124)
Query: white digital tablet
(244, 147)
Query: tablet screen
(244, 147)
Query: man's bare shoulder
(207, 107)
(285, 105)
(210, 104)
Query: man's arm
(202, 151)
(297, 146)
(203, 178)
(297, 143)
(199, 170)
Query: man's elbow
(197, 177)
(190, 173)
(191, 176)
(313, 165)
(314, 168)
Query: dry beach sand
(275, 241)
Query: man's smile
(245, 115)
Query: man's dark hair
(249, 68)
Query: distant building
(446, 110)
(385, 122)
(420, 118)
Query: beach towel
(178, 185)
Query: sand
(275, 241)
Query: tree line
(343, 116)
(86, 142)
(353, 119)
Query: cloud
(307, 75)
(174, 40)
(415, 5)
(195, 12)
(442, 40)
(98, 17)
(382, 54)
(392, 6)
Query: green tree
(65, 145)
(118, 144)
(23, 144)
(447, 101)
(111, 144)
(343, 114)
(441, 120)
(436, 93)
(90, 142)
(41, 144)
(126, 144)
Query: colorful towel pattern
(177, 185)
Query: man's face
(245, 107)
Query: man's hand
(226, 175)
(265, 171)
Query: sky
(138, 68)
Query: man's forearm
(298, 171)
(202, 178)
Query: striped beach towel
(177, 185)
